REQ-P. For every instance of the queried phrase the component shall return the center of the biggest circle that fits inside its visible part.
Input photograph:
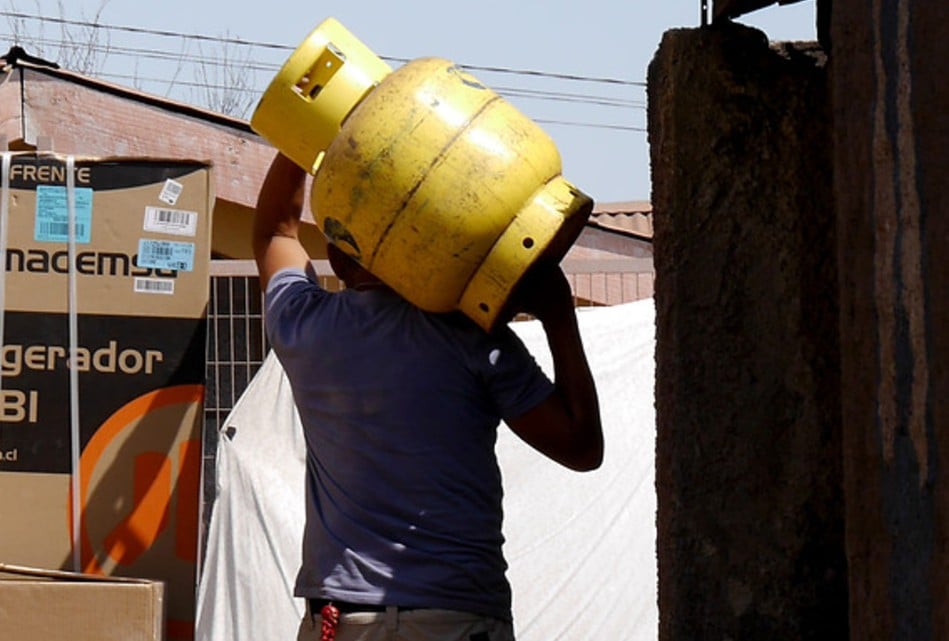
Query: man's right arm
(275, 239)
(566, 426)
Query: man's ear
(344, 266)
(339, 261)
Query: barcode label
(50, 229)
(51, 222)
(171, 221)
(170, 192)
(154, 286)
(165, 254)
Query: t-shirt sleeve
(285, 303)
(514, 379)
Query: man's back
(400, 409)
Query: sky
(578, 69)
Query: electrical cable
(248, 65)
(269, 45)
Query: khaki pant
(410, 625)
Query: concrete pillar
(748, 467)
(891, 139)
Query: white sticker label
(154, 286)
(170, 192)
(171, 221)
(166, 254)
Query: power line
(558, 96)
(142, 30)
(69, 43)
(153, 54)
(590, 125)
(269, 45)
(203, 61)
(138, 52)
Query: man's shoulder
(287, 276)
(288, 290)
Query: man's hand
(544, 293)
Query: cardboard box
(104, 337)
(65, 606)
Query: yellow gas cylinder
(432, 181)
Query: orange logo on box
(139, 488)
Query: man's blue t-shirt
(400, 410)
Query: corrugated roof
(632, 217)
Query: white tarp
(581, 546)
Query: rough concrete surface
(750, 523)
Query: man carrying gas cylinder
(400, 401)
(400, 409)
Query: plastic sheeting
(581, 546)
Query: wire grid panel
(237, 342)
(236, 348)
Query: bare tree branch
(227, 84)
(225, 77)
